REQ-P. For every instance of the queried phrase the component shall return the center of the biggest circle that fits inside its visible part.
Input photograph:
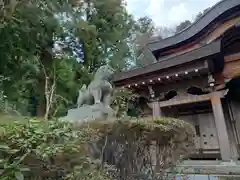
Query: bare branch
(49, 90)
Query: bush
(121, 101)
(142, 148)
(96, 150)
(45, 150)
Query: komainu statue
(94, 101)
(81, 96)
(99, 90)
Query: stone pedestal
(156, 109)
(88, 113)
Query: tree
(165, 32)
(146, 25)
(27, 52)
(87, 34)
(143, 31)
(106, 39)
(183, 25)
(200, 14)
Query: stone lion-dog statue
(99, 90)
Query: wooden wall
(231, 68)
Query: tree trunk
(41, 105)
(46, 59)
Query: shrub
(45, 150)
(121, 100)
(95, 150)
(140, 148)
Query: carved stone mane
(99, 90)
(104, 73)
(93, 102)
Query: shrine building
(195, 76)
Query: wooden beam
(189, 99)
(180, 69)
(232, 57)
(222, 131)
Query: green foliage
(122, 98)
(2, 96)
(26, 34)
(5, 106)
(106, 33)
(146, 25)
(30, 29)
(142, 148)
(37, 149)
(45, 149)
(144, 29)
(70, 76)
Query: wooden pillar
(156, 109)
(223, 137)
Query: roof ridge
(219, 9)
(195, 22)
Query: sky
(168, 13)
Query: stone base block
(88, 113)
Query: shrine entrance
(200, 115)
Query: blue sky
(168, 13)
